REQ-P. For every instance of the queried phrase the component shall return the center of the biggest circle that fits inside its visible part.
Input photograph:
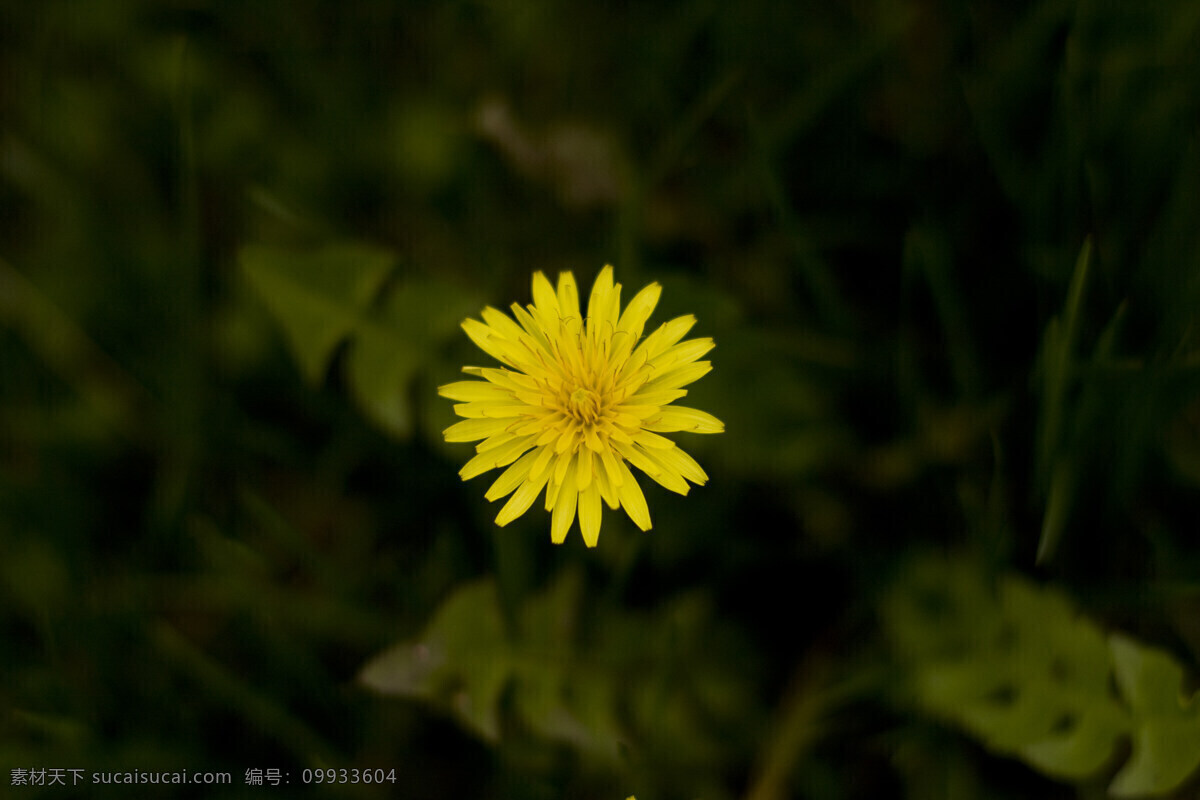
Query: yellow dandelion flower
(576, 399)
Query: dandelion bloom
(576, 399)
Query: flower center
(584, 405)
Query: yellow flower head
(577, 398)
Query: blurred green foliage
(949, 255)
(663, 683)
(1020, 669)
(321, 299)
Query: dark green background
(876, 208)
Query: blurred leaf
(565, 686)
(1166, 735)
(324, 298)
(1058, 351)
(1020, 669)
(1058, 368)
(317, 298)
(466, 660)
(380, 365)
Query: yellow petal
(600, 289)
(637, 458)
(542, 326)
(600, 299)
(627, 421)
(667, 476)
(569, 329)
(519, 380)
(637, 412)
(505, 378)
(468, 391)
(630, 368)
(494, 442)
(536, 399)
(486, 340)
(533, 427)
(521, 500)
(542, 461)
(607, 492)
(658, 398)
(564, 507)
(543, 295)
(615, 434)
(511, 477)
(633, 384)
(620, 346)
(667, 334)
(471, 430)
(608, 315)
(505, 409)
(632, 498)
(679, 376)
(565, 460)
(501, 324)
(612, 471)
(671, 481)
(589, 514)
(652, 440)
(679, 461)
(566, 442)
(683, 353)
(499, 457)
(533, 328)
(680, 418)
(583, 469)
(568, 296)
(633, 321)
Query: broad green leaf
(380, 365)
(317, 298)
(593, 690)
(1166, 737)
(428, 311)
(1078, 752)
(1021, 670)
(389, 350)
(462, 661)
(333, 295)
(465, 661)
(1147, 676)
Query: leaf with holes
(1021, 670)
(625, 679)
